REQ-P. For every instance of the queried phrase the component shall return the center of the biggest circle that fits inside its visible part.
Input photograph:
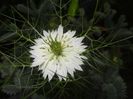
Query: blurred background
(123, 7)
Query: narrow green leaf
(73, 7)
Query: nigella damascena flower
(58, 53)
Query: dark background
(123, 7)
(126, 7)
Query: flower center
(56, 48)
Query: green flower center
(56, 48)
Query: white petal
(53, 34)
(78, 68)
(60, 29)
(45, 33)
(62, 69)
(48, 73)
(71, 71)
(77, 41)
(37, 62)
(52, 66)
(69, 34)
(39, 41)
(60, 33)
(80, 39)
(44, 65)
(50, 76)
(45, 75)
(83, 57)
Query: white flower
(58, 53)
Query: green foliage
(36, 96)
(35, 10)
(10, 89)
(73, 7)
(6, 69)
